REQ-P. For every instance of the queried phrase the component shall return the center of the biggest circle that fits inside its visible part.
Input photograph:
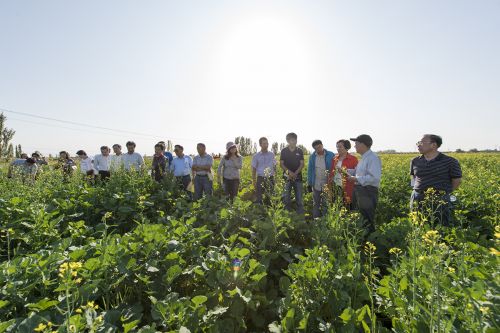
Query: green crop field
(132, 255)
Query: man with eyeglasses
(435, 170)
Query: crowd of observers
(330, 176)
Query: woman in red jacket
(341, 163)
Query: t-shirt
(321, 173)
(292, 159)
(132, 161)
(436, 173)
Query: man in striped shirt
(435, 170)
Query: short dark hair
(81, 152)
(130, 143)
(201, 144)
(262, 139)
(35, 154)
(117, 145)
(316, 142)
(104, 147)
(291, 135)
(345, 143)
(160, 145)
(64, 152)
(178, 147)
(435, 139)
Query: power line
(73, 122)
(63, 127)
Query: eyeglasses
(422, 142)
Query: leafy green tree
(6, 135)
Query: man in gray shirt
(367, 180)
(202, 172)
(132, 160)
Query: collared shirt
(116, 162)
(264, 163)
(369, 170)
(321, 172)
(102, 163)
(18, 162)
(436, 173)
(205, 160)
(181, 166)
(230, 168)
(132, 161)
(86, 165)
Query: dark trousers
(436, 208)
(202, 184)
(264, 188)
(104, 174)
(319, 203)
(231, 187)
(365, 201)
(297, 187)
(183, 183)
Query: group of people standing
(329, 175)
(341, 177)
(355, 183)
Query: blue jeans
(296, 186)
(202, 184)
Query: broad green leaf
(198, 300)
(130, 326)
(243, 252)
(42, 304)
(172, 273)
(403, 284)
(347, 315)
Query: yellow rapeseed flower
(370, 248)
(41, 327)
(395, 250)
(451, 269)
(78, 310)
(431, 236)
(494, 251)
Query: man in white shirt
(116, 159)
(132, 160)
(367, 180)
(102, 163)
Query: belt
(201, 175)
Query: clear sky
(207, 71)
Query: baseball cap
(364, 138)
